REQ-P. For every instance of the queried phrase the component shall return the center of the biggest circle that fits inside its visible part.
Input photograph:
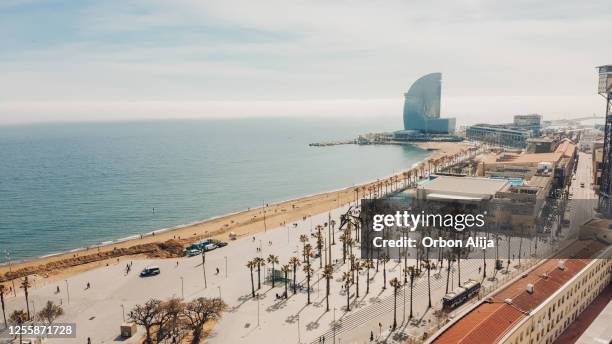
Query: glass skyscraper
(422, 107)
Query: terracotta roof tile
(489, 322)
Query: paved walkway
(99, 310)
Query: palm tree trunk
(273, 275)
(252, 284)
(459, 268)
(394, 308)
(308, 286)
(286, 282)
(294, 274)
(428, 278)
(368, 281)
(258, 277)
(3, 311)
(384, 275)
(327, 296)
(27, 302)
(411, 289)
(348, 297)
(448, 270)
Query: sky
(86, 60)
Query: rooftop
(466, 186)
(539, 181)
(490, 321)
(566, 147)
(517, 159)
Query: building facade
(499, 135)
(422, 107)
(548, 321)
(530, 122)
(536, 307)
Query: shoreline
(243, 223)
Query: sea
(69, 185)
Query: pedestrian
(88, 340)
(217, 271)
(57, 291)
(371, 336)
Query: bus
(461, 295)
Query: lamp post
(219, 287)
(123, 311)
(67, 291)
(225, 267)
(182, 288)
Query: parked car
(209, 247)
(219, 243)
(192, 252)
(150, 271)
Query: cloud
(188, 51)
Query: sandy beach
(169, 243)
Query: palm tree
(259, 262)
(412, 274)
(320, 245)
(50, 312)
(428, 266)
(25, 285)
(328, 272)
(395, 283)
(251, 264)
(384, 259)
(295, 261)
(332, 224)
(347, 278)
(272, 259)
(304, 240)
(449, 258)
(308, 271)
(19, 317)
(2, 288)
(368, 264)
(352, 260)
(285, 269)
(307, 252)
(357, 267)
